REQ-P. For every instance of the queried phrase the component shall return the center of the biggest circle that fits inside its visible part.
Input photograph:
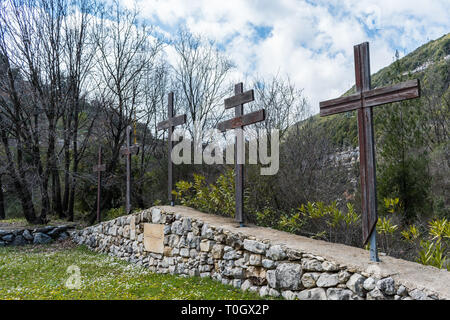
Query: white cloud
(311, 41)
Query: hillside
(429, 59)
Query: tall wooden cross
(127, 151)
(170, 124)
(99, 168)
(363, 100)
(238, 122)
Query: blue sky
(311, 41)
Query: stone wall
(44, 235)
(179, 240)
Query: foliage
(218, 198)
(114, 213)
(319, 220)
(102, 277)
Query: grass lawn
(41, 272)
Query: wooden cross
(99, 168)
(363, 101)
(129, 150)
(239, 121)
(170, 124)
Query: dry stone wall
(169, 242)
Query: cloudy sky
(311, 41)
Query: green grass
(41, 272)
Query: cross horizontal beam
(401, 91)
(130, 150)
(245, 97)
(243, 120)
(175, 121)
(100, 167)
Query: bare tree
(200, 74)
(125, 53)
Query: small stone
(255, 260)
(8, 238)
(329, 266)
(327, 280)
(375, 294)
(339, 294)
(18, 241)
(27, 235)
(402, 291)
(293, 255)
(287, 276)
(255, 246)
(343, 276)
(63, 236)
(156, 215)
(312, 265)
(273, 293)
(309, 279)
(276, 253)
(206, 245)
(41, 238)
(268, 264)
(369, 284)
(312, 294)
(246, 285)
(288, 295)
(417, 294)
(264, 291)
(387, 286)
(217, 251)
(355, 283)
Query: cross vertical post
(170, 124)
(129, 150)
(363, 100)
(99, 168)
(239, 122)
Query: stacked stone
(33, 236)
(195, 248)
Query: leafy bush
(326, 222)
(218, 198)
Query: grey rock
(255, 246)
(293, 255)
(343, 276)
(27, 235)
(271, 278)
(309, 279)
(402, 291)
(273, 293)
(356, 284)
(369, 284)
(156, 215)
(417, 294)
(268, 264)
(246, 285)
(387, 285)
(276, 253)
(288, 295)
(41, 238)
(8, 238)
(18, 241)
(329, 266)
(312, 265)
(327, 280)
(312, 294)
(2, 244)
(255, 260)
(287, 276)
(264, 291)
(375, 294)
(339, 294)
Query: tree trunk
(2, 203)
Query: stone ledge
(258, 259)
(410, 274)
